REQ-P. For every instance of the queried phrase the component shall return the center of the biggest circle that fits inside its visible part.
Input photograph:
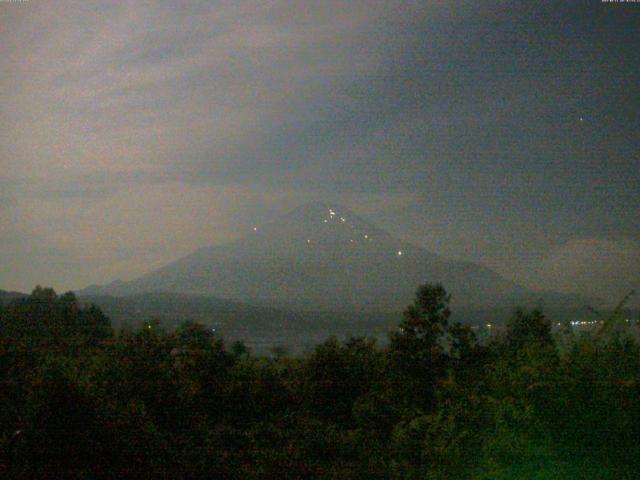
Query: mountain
(6, 297)
(323, 256)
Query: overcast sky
(507, 133)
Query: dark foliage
(80, 401)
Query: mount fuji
(324, 256)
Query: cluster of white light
(578, 323)
(332, 215)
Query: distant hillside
(172, 309)
(263, 327)
(6, 297)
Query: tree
(47, 321)
(524, 328)
(337, 374)
(427, 319)
(417, 347)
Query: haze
(495, 132)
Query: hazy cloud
(599, 267)
(135, 131)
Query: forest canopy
(80, 400)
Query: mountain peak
(321, 255)
(314, 209)
(316, 216)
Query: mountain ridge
(322, 255)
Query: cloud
(226, 92)
(600, 267)
(446, 120)
(6, 202)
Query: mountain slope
(322, 256)
(6, 297)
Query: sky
(505, 133)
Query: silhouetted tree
(525, 328)
(417, 346)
